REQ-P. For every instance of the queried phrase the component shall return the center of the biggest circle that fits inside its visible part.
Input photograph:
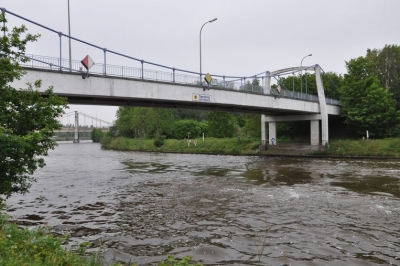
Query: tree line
(144, 122)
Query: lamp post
(200, 43)
(69, 34)
(301, 75)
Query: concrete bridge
(123, 91)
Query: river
(221, 210)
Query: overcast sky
(249, 37)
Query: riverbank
(208, 146)
(389, 147)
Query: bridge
(106, 84)
(73, 128)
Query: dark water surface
(222, 210)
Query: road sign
(87, 62)
(208, 78)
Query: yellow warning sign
(208, 78)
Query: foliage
(27, 118)
(331, 82)
(12, 48)
(159, 141)
(386, 66)
(123, 123)
(186, 261)
(143, 122)
(160, 121)
(181, 128)
(254, 86)
(252, 127)
(96, 134)
(221, 125)
(365, 104)
(36, 247)
(188, 114)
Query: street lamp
(200, 43)
(301, 75)
(69, 34)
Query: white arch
(321, 99)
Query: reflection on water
(222, 210)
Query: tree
(254, 86)
(96, 134)
(221, 125)
(27, 118)
(386, 66)
(181, 128)
(160, 121)
(366, 105)
(252, 127)
(331, 82)
(123, 121)
(141, 122)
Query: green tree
(141, 122)
(159, 122)
(366, 105)
(27, 118)
(181, 128)
(252, 127)
(253, 86)
(386, 66)
(198, 115)
(221, 124)
(331, 82)
(123, 122)
(96, 134)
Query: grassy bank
(209, 145)
(381, 147)
(36, 247)
(384, 147)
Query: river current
(221, 210)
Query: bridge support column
(314, 132)
(76, 138)
(263, 136)
(322, 106)
(272, 133)
(267, 84)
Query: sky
(247, 38)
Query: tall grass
(36, 247)
(383, 147)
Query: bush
(181, 128)
(21, 246)
(159, 142)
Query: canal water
(221, 210)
